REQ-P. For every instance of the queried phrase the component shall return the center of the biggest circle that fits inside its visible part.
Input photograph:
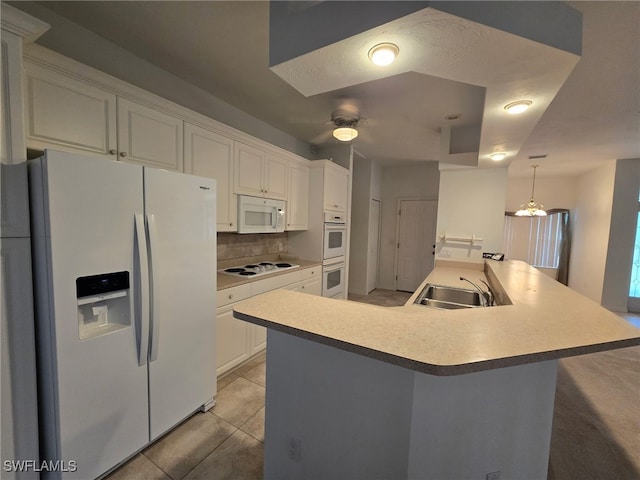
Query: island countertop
(544, 321)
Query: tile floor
(227, 442)
(224, 443)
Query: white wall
(552, 192)
(419, 181)
(360, 200)
(471, 202)
(624, 214)
(591, 220)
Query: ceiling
(223, 48)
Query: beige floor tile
(183, 448)
(251, 364)
(257, 374)
(255, 426)
(240, 457)
(140, 468)
(239, 401)
(226, 380)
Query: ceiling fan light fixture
(532, 209)
(384, 54)
(345, 134)
(497, 156)
(520, 106)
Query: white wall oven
(260, 215)
(333, 273)
(335, 236)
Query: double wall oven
(334, 250)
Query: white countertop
(545, 321)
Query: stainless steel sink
(442, 296)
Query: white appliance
(333, 273)
(334, 236)
(257, 269)
(125, 277)
(260, 215)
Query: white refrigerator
(125, 286)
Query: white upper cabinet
(298, 199)
(275, 176)
(258, 173)
(149, 137)
(64, 112)
(336, 188)
(209, 154)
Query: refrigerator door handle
(143, 297)
(153, 264)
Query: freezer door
(93, 393)
(181, 221)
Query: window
(634, 285)
(535, 240)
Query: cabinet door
(247, 170)
(336, 189)
(149, 137)
(258, 339)
(275, 178)
(232, 336)
(298, 200)
(62, 111)
(209, 154)
(312, 287)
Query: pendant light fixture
(532, 209)
(345, 134)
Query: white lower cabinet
(236, 340)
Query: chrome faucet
(489, 295)
(483, 295)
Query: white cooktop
(257, 269)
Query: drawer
(233, 294)
(311, 272)
(279, 281)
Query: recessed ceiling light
(497, 156)
(384, 54)
(518, 107)
(453, 116)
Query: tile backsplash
(233, 245)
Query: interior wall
(591, 219)
(84, 46)
(624, 215)
(403, 182)
(471, 202)
(552, 192)
(366, 186)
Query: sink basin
(450, 298)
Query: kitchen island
(359, 391)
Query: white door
(248, 170)
(181, 216)
(97, 392)
(275, 181)
(416, 235)
(374, 242)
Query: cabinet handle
(231, 224)
(230, 296)
(113, 151)
(123, 154)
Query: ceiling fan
(345, 120)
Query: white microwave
(260, 215)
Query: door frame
(398, 202)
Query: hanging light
(345, 134)
(532, 209)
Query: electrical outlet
(493, 475)
(294, 449)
